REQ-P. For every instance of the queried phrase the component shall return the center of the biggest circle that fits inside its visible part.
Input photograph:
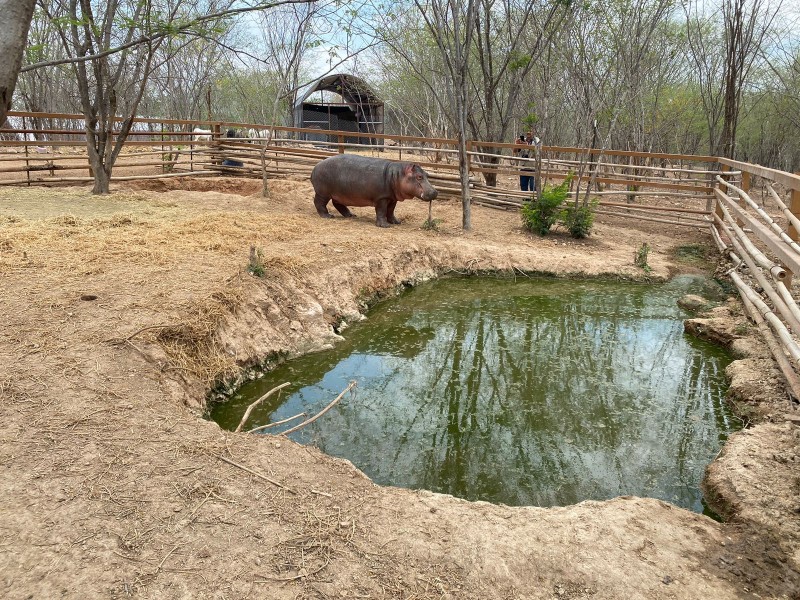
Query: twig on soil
(259, 475)
(135, 333)
(281, 422)
(351, 385)
(294, 577)
(322, 493)
(521, 272)
(163, 560)
(256, 403)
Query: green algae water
(537, 392)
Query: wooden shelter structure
(360, 110)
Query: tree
(511, 36)
(112, 46)
(724, 58)
(451, 23)
(17, 16)
(745, 31)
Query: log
(728, 224)
(777, 301)
(784, 209)
(764, 216)
(784, 252)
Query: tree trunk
(463, 159)
(101, 174)
(16, 18)
(487, 162)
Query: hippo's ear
(408, 169)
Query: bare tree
(451, 23)
(17, 16)
(110, 83)
(511, 36)
(724, 57)
(112, 47)
(746, 26)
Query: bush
(432, 224)
(255, 266)
(640, 260)
(539, 216)
(579, 219)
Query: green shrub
(432, 224)
(640, 260)
(540, 215)
(579, 219)
(255, 265)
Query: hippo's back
(345, 172)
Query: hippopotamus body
(352, 180)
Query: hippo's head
(415, 184)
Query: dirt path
(119, 311)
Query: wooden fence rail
(771, 258)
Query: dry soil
(119, 312)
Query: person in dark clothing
(527, 183)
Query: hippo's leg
(381, 206)
(342, 209)
(322, 206)
(390, 213)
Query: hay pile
(141, 242)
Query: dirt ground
(119, 312)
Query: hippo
(352, 180)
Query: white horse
(201, 135)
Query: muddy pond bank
(113, 486)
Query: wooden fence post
(746, 181)
(341, 143)
(27, 162)
(794, 206)
(713, 198)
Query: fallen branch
(303, 573)
(256, 403)
(135, 333)
(276, 423)
(259, 475)
(351, 385)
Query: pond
(533, 391)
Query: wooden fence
(765, 255)
(679, 187)
(694, 191)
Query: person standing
(527, 183)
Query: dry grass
(144, 237)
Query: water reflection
(535, 392)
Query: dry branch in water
(350, 386)
(257, 402)
(276, 423)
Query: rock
(693, 303)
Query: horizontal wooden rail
(351, 134)
(789, 180)
(784, 253)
